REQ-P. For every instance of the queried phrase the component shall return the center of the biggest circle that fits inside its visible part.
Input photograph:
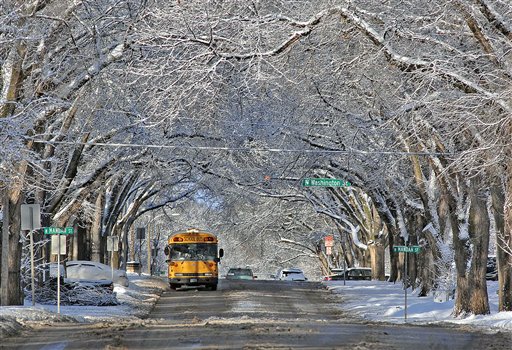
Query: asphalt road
(254, 315)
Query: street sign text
(58, 230)
(309, 182)
(404, 249)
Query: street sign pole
(32, 269)
(405, 286)
(58, 277)
(406, 250)
(58, 231)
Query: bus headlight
(178, 275)
(208, 274)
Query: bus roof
(192, 235)
(191, 231)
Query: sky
(376, 301)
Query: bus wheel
(173, 286)
(213, 287)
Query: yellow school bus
(193, 259)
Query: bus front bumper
(194, 281)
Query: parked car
(291, 274)
(238, 273)
(94, 292)
(334, 277)
(353, 273)
(72, 283)
(94, 271)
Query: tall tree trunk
(132, 243)
(412, 262)
(96, 226)
(347, 251)
(4, 264)
(462, 300)
(124, 243)
(471, 284)
(15, 249)
(400, 261)
(427, 271)
(393, 257)
(461, 252)
(498, 211)
(324, 262)
(377, 253)
(504, 249)
(83, 251)
(479, 235)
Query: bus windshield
(193, 251)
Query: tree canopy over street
(126, 112)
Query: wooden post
(148, 240)
(32, 268)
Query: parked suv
(291, 274)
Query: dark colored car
(240, 274)
(353, 273)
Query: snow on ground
(136, 300)
(385, 302)
(371, 300)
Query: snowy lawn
(384, 302)
(136, 301)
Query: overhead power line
(249, 149)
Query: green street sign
(403, 249)
(324, 182)
(58, 230)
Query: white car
(94, 271)
(291, 274)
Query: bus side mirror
(216, 260)
(221, 253)
(167, 250)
